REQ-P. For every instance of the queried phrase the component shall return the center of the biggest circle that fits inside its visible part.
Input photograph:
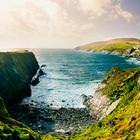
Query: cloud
(97, 8)
(47, 19)
(124, 14)
(57, 20)
(94, 7)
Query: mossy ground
(11, 129)
(124, 122)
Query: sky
(66, 23)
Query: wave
(133, 61)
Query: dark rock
(63, 100)
(43, 66)
(41, 72)
(47, 118)
(35, 81)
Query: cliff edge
(16, 72)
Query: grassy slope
(119, 45)
(11, 129)
(124, 122)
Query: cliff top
(14, 51)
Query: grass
(115, 45)
(11, 129)
(124, 122)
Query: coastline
(63, 121)
(16, 73)
(133, 56)
(59, 124)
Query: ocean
(71, 73)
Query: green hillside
(120, 46)
(124, 122)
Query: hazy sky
(66, 23)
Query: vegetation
(119, 46)
(124, 122)
(16, 72)
(11, 129)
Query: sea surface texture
(71, 73)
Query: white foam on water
(49, 93)
(133, 61)
(65, 82)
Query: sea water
(71, 73)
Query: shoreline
(112, 53)
(55, 120)
(115, 54)
(63, 121)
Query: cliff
(115, 105)
(122, 121)
(121, 46)
(16, 72)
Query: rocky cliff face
(16, 72)
(100, 105)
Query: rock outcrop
(35, 79)
(16, 72)
(99, 105)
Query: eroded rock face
(100, 105)
(16, 72)
(110, 109)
